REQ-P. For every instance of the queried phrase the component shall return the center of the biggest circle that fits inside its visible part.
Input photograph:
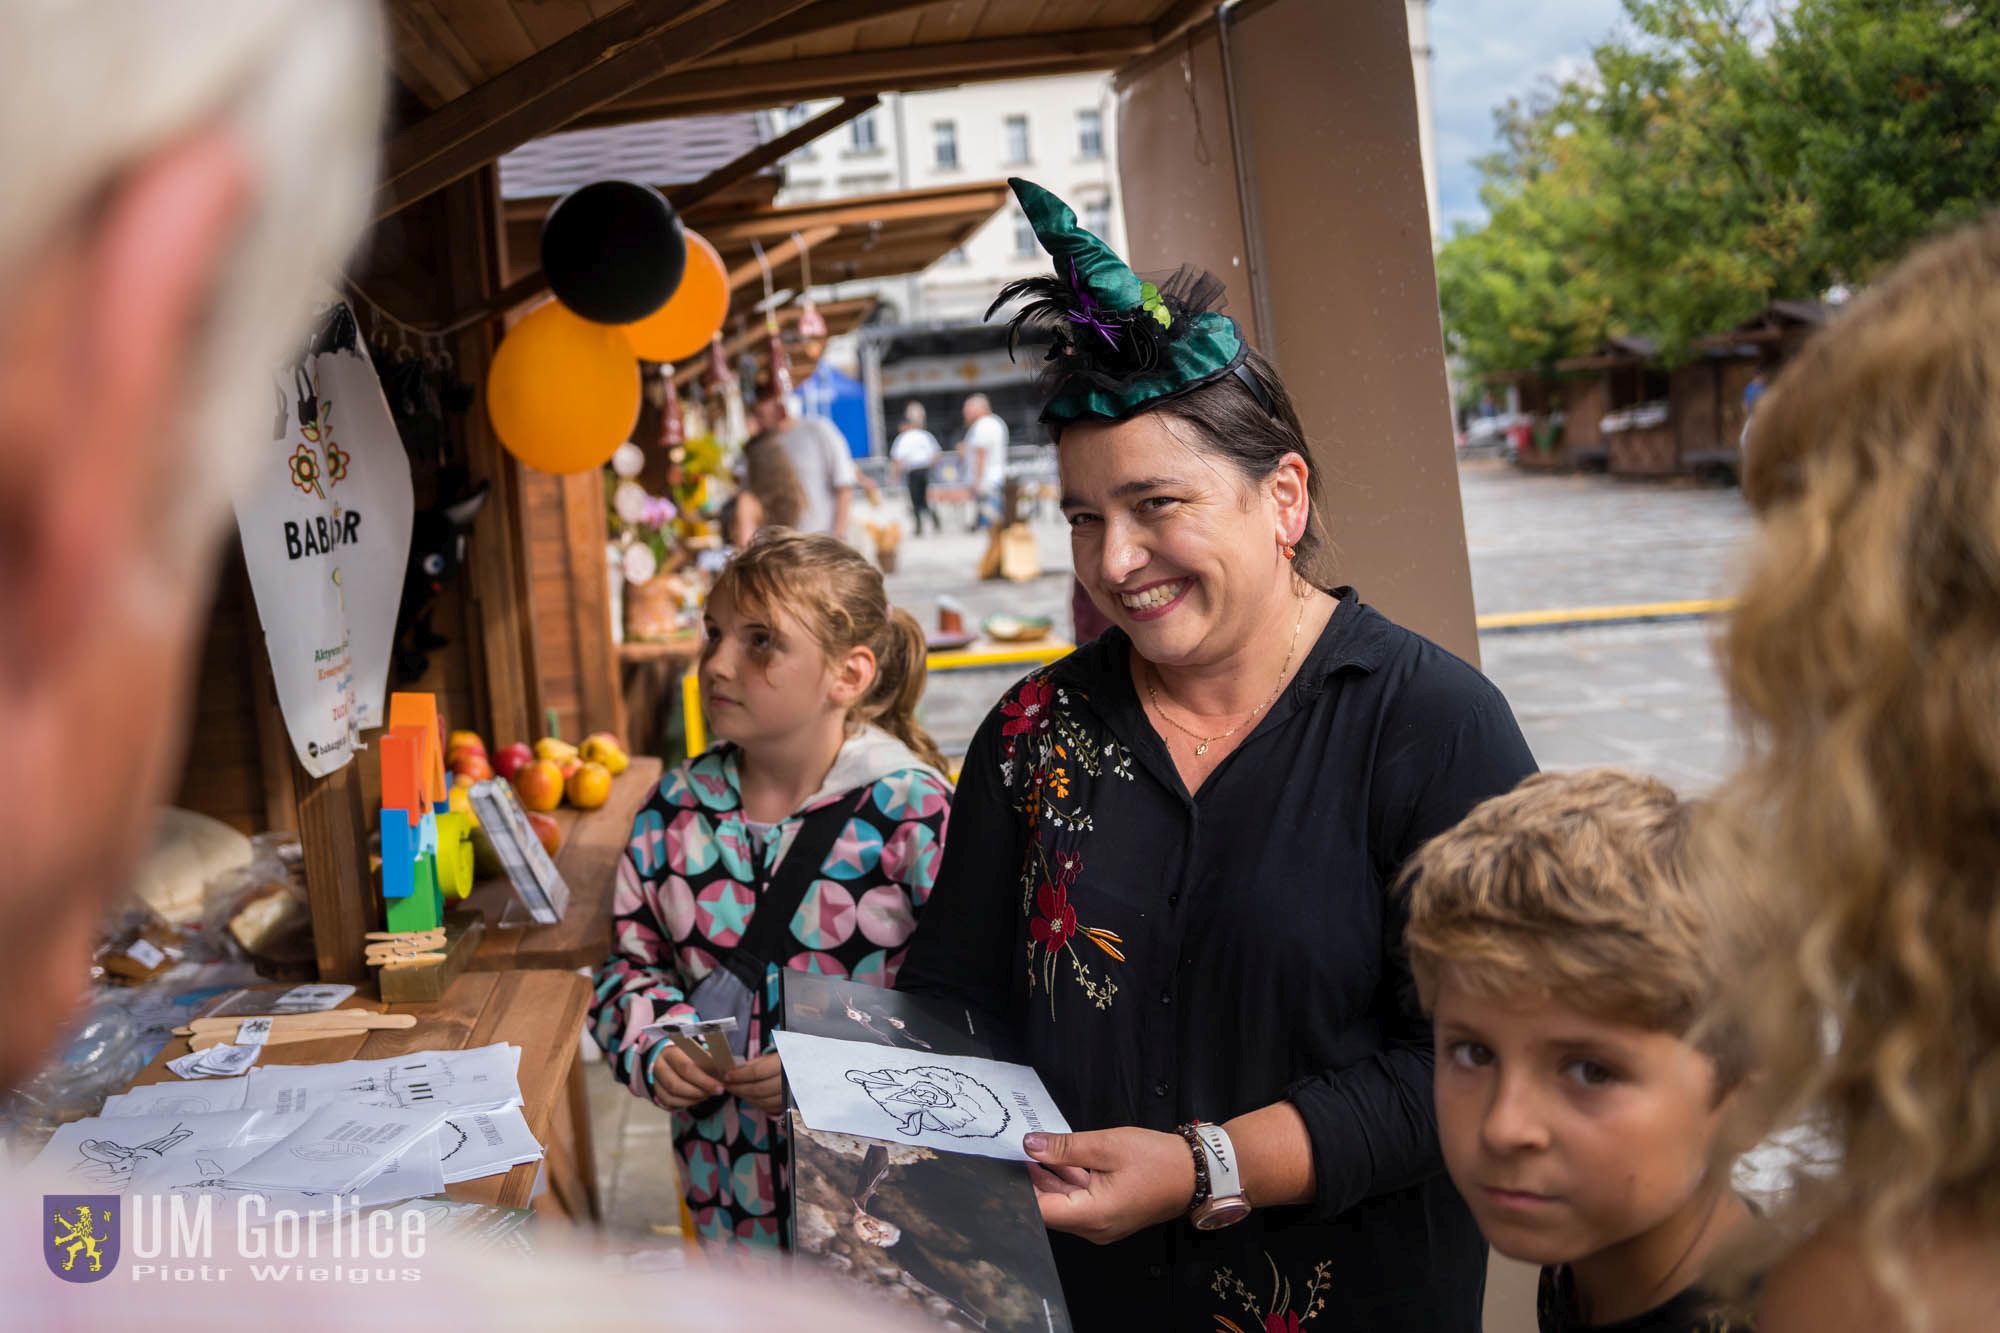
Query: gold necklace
(1205, 741)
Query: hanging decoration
(325, 526)
(694, 313)
(563, 393)
(437, 553)
(613, 251)
(812, 324)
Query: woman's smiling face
(1173, 543)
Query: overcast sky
(1486, 52)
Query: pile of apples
(546, 773)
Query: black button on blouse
(1280, 974)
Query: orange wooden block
(403, 778)
(421, 711)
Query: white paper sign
(325, 522)
(950, 1103)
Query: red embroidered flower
(1028, 710)
(1058, 919)
(1068, 866)
(1287, 1322)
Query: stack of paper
(385, 1130)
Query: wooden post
(333, 830)
(586, 535)
(501, 627)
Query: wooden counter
(542, 1013)
(593, 840)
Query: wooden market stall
(523, 628)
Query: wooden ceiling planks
(491, 30)
(547, 21)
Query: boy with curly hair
(1562, 950)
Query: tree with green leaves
(1716, 157)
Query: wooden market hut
(1241, 133)
(1611, 387)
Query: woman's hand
(679, 1082)
(1108, 1184)
(760, 1082)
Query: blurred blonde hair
(1863, 660)
(90, 89)
(1580, 885)
(826, 585)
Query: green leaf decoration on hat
(1117, 343)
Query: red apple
(547, 830)
(512, 759)
(473, 766)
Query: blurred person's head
(976, 407)
(1562, 946)
(913, 415)
(770, 411)
(177, 179)
(1863, 660)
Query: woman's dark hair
(1234, 426)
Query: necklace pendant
(1201, 749)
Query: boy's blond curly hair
(1580, 885)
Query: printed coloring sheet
(178, 1098)
(483, 1079)
(340, 1148)
(104, 1154)
(950, 1103)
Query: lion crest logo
(81, 1243)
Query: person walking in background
(911, 456)
(823, 472)
(985, 444)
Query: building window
(1017, 139)
(861, 134)
(790, 119)
(1097, 217)
(957, 256)
(1025, 244)
(944, 138)
(1090, 134)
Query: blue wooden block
(399, 854)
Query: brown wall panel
(1330, 226)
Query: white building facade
(1055, 131)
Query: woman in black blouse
(1170, 856)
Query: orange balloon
(692, 315)
(563, 393)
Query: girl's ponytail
(899, 686)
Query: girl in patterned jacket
(811, 683)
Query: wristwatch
(1219, 1200)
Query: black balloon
(613, 251)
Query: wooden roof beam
(749, 164)
(598, 63)
(1179, 18)
(855, 211)
(716, 86)
(779, 255)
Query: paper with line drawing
(949, 1103)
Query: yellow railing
(956, 659)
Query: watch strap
(1225, 1178)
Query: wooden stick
(332, 1018)
(201, 1041)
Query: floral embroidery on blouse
(1048, 761)
(1277, 1315)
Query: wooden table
(542, 1013)
(593, 840)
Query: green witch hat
(1117, 343)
